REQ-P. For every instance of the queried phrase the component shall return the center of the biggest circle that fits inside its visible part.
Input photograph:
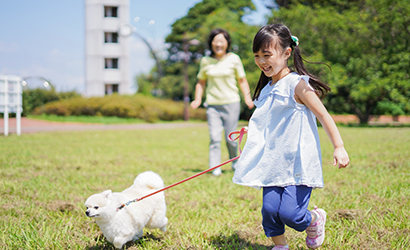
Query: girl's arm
(244, 86)
(199, 90)
(308, 97)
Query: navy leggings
(285, 206)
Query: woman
(219, 74)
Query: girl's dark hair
(216, 32)
(279, 35)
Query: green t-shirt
(221, 77)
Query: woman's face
(219, 45)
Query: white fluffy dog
(122, 226)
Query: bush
(33, 98)
(150, 109)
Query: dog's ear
(107, 193)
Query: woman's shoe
(217, 172)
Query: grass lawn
(45, 179)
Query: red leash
(240, 134)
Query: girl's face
(219, 45)
(273, 61)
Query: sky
(45, 38)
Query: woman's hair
(216, 32)
(279, 35)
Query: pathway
(33, 125)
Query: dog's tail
(149, 180)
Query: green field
(46, 177)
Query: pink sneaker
(316, 231)
(281, 248)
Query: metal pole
(186, 80)
(154, 55)
(6, 107)
(19, 105)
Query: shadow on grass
(234, 242)
(193, 170)
(224, 170)
(103, 244)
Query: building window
(12, 84)
(111, 88)
(110, 11)
(111, 37)
(111, 63)
(11, 98)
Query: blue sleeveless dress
(282, 146)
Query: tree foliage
(367, 46)
(197, 24)
(338, 4)
(33, 98)
(198, 14)
(365, 42)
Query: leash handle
(240, 134)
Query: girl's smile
(273, 62)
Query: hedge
(33, 98)
(150, 109)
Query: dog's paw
(119, 242)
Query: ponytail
(320, 87)
(280, 34)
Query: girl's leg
(294, 207)
(294, 213)
(272, 224)
(279, 240)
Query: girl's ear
(288, 52)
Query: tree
(340, 5)
(197, 24)
(198, 14)
(368, 48)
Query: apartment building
(107, 53)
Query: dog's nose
(87, 213)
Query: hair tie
(295, 40)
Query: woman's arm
(199, 90)
(308, 97)
(244, 86)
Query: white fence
(11, 100)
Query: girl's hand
(340, 157)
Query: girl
(282, 153)
(219, 74)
